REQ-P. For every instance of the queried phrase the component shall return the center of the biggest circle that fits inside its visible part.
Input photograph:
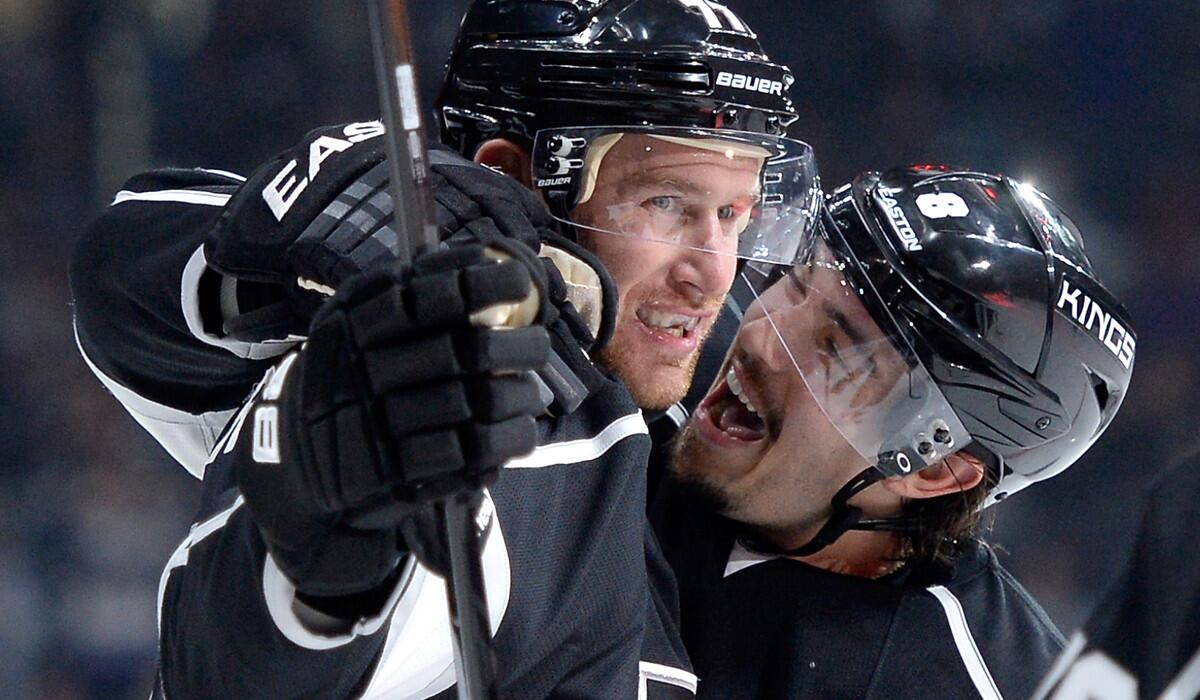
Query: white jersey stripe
(575, 451)
(967, 649)
(417, 661)
(1074, 646)
(185, 436)
(678, 415)
(280, 594)
(649, 671)
(180, 556)
(226, 173)
(1186, 685)
(212, 199)
(189, 302)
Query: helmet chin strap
(844, 518)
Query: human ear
(506, 156)
(953, 474)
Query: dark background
(1095, 102)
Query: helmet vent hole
(687, 78)
(1100, 388)
(963, 309)
(949, 350)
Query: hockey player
(941, 345)
(294, 581)
(183, 368)
(1143, 639)
(621, 62)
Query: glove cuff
(604, 298)
(353, 606)
(310, 628)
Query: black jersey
(584, 599)
(143, 298)
(1143, 639)
(565, 566)
(759, 626)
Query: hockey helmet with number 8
(979, 316)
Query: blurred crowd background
(1095, 102)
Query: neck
(867, 554)
(864, 554)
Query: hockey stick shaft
(416, 229)
(412, 194)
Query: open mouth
(674, 324)
(729, 409)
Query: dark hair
(946, 526)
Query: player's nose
(702, 274)
(759, 341)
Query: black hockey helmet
(987, 280)
(520, 66)
(938, 310)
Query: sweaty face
(664, 218)
(809, 376)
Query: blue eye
(662, 203)
(736, 208)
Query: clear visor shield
(752, 196)
(821, 318)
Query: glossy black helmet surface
(519, 66)
(988, 279)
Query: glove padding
(322, 212)
(396, 400)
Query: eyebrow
(842, 322)
(643, 178)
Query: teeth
(736, 387)
(672, 322)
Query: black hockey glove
(322, 212)
(398, 398)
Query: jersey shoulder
(992, 637)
